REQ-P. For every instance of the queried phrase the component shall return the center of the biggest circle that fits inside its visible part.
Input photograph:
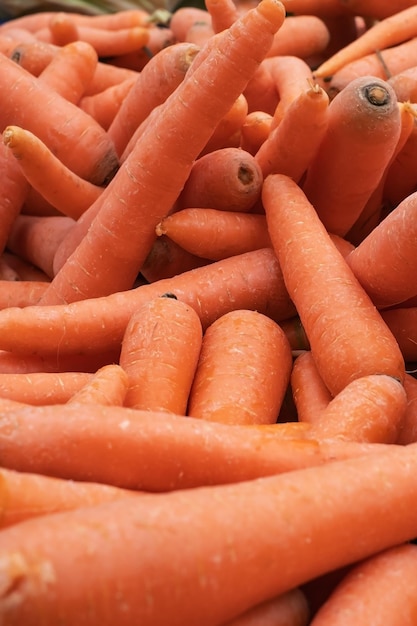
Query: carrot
(41, 388)
(240, 349)
(155, 451)
(402, 322)
(333, 307)
(364, 127)
(222, 13)
(159, 38)
(11, 363)
(106, 75)
(261, 92)
(104, 106)
(266, 553)
(158, 79)
(290, 147)
(9, 41)
(107, 386)
(370, 593)
(184, 17)
(227, 132)
(24, 495)
(36, 204)
(405, 84)
(71, 134)
(215, 234)
(33, 56)
(68, 192)
(323, 8)
(388, 32)
(160, 350)
(310, 394)
(199, 33)
(401, 180)
(126, 229)
(20, 293)
(288, 609)
(377, 9)
(385, 262)
(301, 36)
(408, 431)
(255, 130)
(35, 239)
(226, 179)
(19, 269)
(369, 409)
(167, 259)
(14, 191)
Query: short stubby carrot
(347, 334)
(160, 350)
(240, 349)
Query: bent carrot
(312, 265)
(107, 386)
(310, 394)
(288, 609)
(239, 349)
(348, 166)
(370, 593)
(126, 229)
(282, 555)
(24, 495)
(160, 350)
(42, 388)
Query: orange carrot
(323, 8)
(107, 386)
(388, 32)
(401, 178)
(240, 349)
(369, 409)
(68, 192)
(199, 33)
(19, 269)
(290, 147)
(159, 38)
(261, 91)
(288, 609)
(24, 495)
(255, 130)
(405, 84)
(33, 56)
(160, 350)
(226, 179)
(167, 259)
(155, 451)
(348, 166)
(222, 13)
(402, 322)
(104, 106)
(35, 239)
(370, 593)
(184, 17)
(20, 293)
(14, 191)
(215, 234)
(266, 552)
(385, 262)
(36, 204)
(134, 202)
(310, 394)
(106, 75)
(71, 134)
(11, 363)
(158, 79)
(42, 388)
(227, 131)
(333, 307)
(301, 36)
(377, 9)
(408, 431)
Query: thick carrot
(240, 349)
(402, 322)
(370, 593)
(158, 79)
(252, 280)
(310, 394)
(159, 38)
(107, 386)
(385, 262)
(20, 293)
(388, 32)
(338, 316)
(215, 233)
(41, 388)
(301, 36)
(227, 179)
(24, 495)
(288, 609)
(155, 451)
(289, 538)
(167, 259)
(35, 239)
(364, 127)
(369, 409)
(160, 350)
(108, 74)
(134, 202)
(290, 147)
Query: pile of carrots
(208, 316)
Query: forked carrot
(370, 593)
(333, 307)
(160, 350)
(240, 349)
(263, 550)
(369, 409)
(348, 165)
(288, 609)
(107, 386)
(310, 394)
(134, 202)
(42, 388)
(388, 32)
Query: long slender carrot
(41, 388)
(348, 166)
(20, 293)
(370, 592)
(369, 409)
(134, 202)
(310, 394)
(240, 349)
(252, 280)
(271, 535)
(24, 495)
(160, 350)
(288, 609)
(155, 451)
(333, 307)
(388, 32)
